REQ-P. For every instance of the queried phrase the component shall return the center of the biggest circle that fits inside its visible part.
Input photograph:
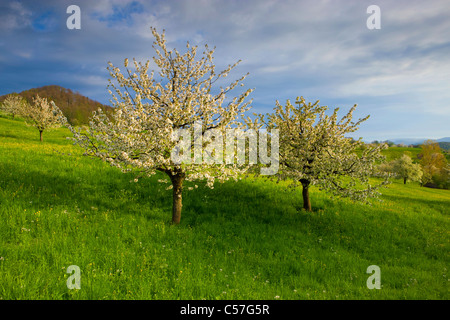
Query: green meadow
(241, 240)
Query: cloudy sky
(318, 49)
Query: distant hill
(417, 141)
(76, 107)
(444, 145)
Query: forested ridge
(76, 107)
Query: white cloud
(319, 49)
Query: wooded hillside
(76, 107)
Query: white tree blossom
(406, 169)
(149, 112)
(14, 105)
(43, 115)
(315, 151)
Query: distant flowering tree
(406, 169)
(315, 151)
(43, 115)
(14, 105)
(142, 132)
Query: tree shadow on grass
(41, 190)
(242, 202)
(18, 137)
(439, 205)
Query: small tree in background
(406, 169)
(434, 164)
(43, 115)
(149, 112)
(385, 168)
(14, 105)
(315, 151)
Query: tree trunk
(40, 135)
(305, 193)
(404, 180)
(177, 183)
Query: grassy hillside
(396, 152)
(245, 240)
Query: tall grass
(244, 240)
